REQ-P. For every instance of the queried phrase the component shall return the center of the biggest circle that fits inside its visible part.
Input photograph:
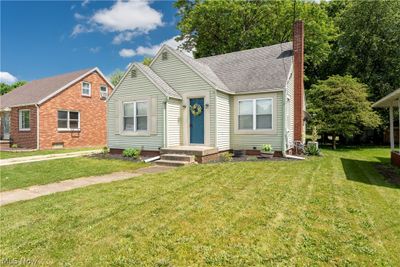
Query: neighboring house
(239, 100)
(67, 110)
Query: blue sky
(41, 39)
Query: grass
(333, 210)
(14, 154)
(44, 172)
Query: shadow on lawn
(367, 172)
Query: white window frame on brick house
(89, 88)
(254, 114)
(135, 117)
(22, 126)
(103, 91)
(68, 120)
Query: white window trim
(254, 101)
(68, 129)
(90, 89)
(104, 86)
(20, 120)
(135, 131)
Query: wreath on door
(196, 109)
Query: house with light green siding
(202, 107)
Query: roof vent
(164, 55)
(133, 73)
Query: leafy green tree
(147, 61)
(339, 106)
(218, 27)
(5, 88)
(116, 76)
(368, 46)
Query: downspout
(37, 126)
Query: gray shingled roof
(34, 91)
(160, 83)
(253, 70)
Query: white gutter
(37, 126)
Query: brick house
(67, 110)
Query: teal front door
(196, 111)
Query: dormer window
(86, 89)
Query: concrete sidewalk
(66, 185)
(19, 160)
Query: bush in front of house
(131, 153)
(226, 157)
(312, 149)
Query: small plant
(312, 149)
(266, 148)
(314, 134)
(105, 150)
(226, 157)
(14, 146)
(131, 153)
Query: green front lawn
(14, 154)
(335, 210)
(50, 171)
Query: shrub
(314, 134)
(226, 157)
(266, 148)
(312, 150)
(14, 146)
(105, 150)
(131, 153)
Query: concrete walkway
(66, 185)
(19, 160)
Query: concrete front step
(178, 157)
(172, 163)
(194, 151)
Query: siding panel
(131, 89)
(173, 123)
(183, 79)
(223, 127)
(248, 141)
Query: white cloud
(153, 49)
(127, 52)
(79, 16)
(128, 16)
(124, 37)
(79, 28)
(85, 2)
(6, 77)
(95, 50)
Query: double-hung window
(135, 116)
(68, 120)
(255, 114)
(86, 89)
(103, 91)
(24, 120)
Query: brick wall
(298, 64)
(92, 116)
(24, 139)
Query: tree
(339, 106)
(5, 88)
(116, 76)
(368, 46)
(217, 27)
(147, 61)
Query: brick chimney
(298, 64)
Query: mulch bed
(116, 156)
(389, 173)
